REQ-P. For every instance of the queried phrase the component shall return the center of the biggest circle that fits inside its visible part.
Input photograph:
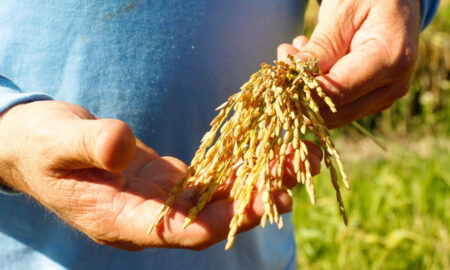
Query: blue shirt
(162, 67)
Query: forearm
(10, 96)
(4, 165)
(10, 181)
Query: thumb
(106, 144)
(332, 37)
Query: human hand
(367, 51)
(100, 179)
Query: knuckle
(80, 144)
(325, 44)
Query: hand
(100, 179)
(367, 51)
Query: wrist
(10, 179)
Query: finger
(218, 215)
(374, 102)
(349, 79)
(289, 176)
(330, 40)
(299, 42)
(212, 223)
(107, 144)
(210, 226)
(314, 158)
(284, 50)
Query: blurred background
(399, 205)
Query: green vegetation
(396, 209)
(399, 205)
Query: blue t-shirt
(162, 67)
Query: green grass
(396, 209)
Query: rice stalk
(272, 110)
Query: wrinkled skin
(99, 178)
(367, 51)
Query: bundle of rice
(274, 108)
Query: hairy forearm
(6, 161)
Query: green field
(399, 205)
(396, 209)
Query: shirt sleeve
(10, 95)
(428, 11)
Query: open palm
(103, 181)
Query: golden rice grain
(270, 112)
